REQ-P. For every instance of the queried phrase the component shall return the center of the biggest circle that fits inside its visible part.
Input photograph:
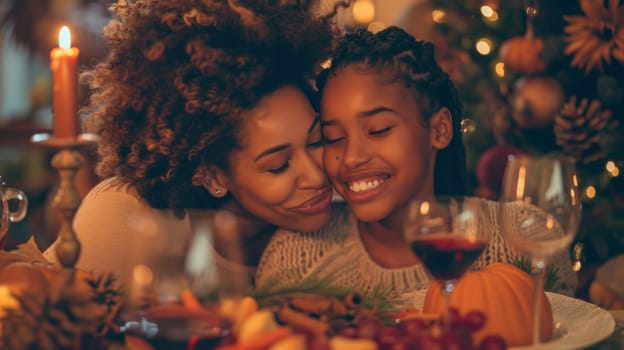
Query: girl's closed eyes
(332, 137)
(381, 132)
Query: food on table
(343, 343)
(291, 342)
(238, 310)
(316, 322)
(305, 321)
(260, 322)
(502, 292)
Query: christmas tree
(539, 77)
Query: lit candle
(63, 63)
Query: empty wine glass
(13, 208)
(448, 235)
(540, 213)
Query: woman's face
(277, 174)
(378, 153)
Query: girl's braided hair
(172, 92)
(398, 55)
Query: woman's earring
(217, 191)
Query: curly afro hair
(404, 59)
(172, 92)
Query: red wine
(447, 258)
(179, 328)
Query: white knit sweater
(337, 254)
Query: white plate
(578, 324)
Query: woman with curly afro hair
(204, 110)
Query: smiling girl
(391, 125)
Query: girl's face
(378, 152)
(276, 175)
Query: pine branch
(552, 281)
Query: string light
(590, 192)
(499, 69)
(438, 16)
(489, 13)
(612, 169)
(486, 11)
(484, 46)
(468, 126)
(578, 257)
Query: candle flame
(64, 38)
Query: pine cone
(107, 292)
(578, 127)
(55, 318)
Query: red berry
(493, 342)
(387, 337)
(474, 320)
(456, 340)
(464, 337)
(404, 344)
(450, 343)
(318, 343)
(348, 332)
(428, 342)
(412, 327)
(455, 316)
(367, 329)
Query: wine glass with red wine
(447, 234)
(539, 213)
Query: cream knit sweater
(337, 254)
(117, 230)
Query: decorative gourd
(536, 100)
(522, 54)
(504, 293)
(23, 276)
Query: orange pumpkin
(504, 293)
(522, 54)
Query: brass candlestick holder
(66, 200)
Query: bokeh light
(438, 16)
(590, 192)
(612, 169)
(484, 46)
(499, 69)
(363, 11)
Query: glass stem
(447, 289)
(539, 269)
